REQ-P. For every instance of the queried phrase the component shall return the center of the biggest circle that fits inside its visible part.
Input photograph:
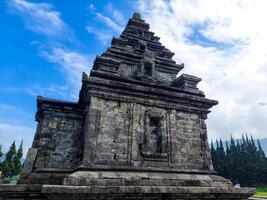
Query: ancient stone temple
(138, 131)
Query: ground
(261, 190)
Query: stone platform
(68, 192)
(130, 185)
(144, 192)
(144, 185)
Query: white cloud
(11, 132)
(103, 36)
(51, 90)
(111, 18)
(109, 22)
(225, 43)
(40, 17)
(43, 19)
(6, 107)
(89, 29)
(72, 64)
(116, 14)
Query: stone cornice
(57, 107)
(100, 83)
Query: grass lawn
(261, 191)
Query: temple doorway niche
(151, 143)
(154, 138)
(148, 69)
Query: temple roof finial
(136, 16)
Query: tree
(243, 161)
(8, 164)
(213, 156)
(17, 160)
(220, 158)
(262, 163)
(1, 153)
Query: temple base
(85, 185)
(144, 192)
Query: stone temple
(138, 131)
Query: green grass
(261, 190)
(12, 180)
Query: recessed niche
(148, 69)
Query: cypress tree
(220, 158)
(8, 164)
(238, 156)
(213, 156)
(227, 163)
(251, 163)
(1, 153)
(262, 163)
(261, 152)
(216, 158)
(228, 157)
(17, 160)
(212, 152)
(243, 161)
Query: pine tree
(213, 156)
(216, 157)
(8, 164)
(227, 163)
(230, 159)
(1, 153)
(262, 163)
(243, 161)
(220, 158)
(261, 152)
(17, 160)
(250, 163)
(238, 159)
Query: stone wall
(189, 141)
(136, 135)
(107, 132)
(58, 136)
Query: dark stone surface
(136, 132)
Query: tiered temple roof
(137, 58)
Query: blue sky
(45, 46)
(41, 41)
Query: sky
(46, 45)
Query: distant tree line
(11, 165)
(241, 161)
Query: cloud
(11, 132)
(109, 22)
(103, 36)
(51, 90)
(43, 19)
(40, 18)
(6, 107)
(72, 65)
(112, 23)
(116, 14)
(225, 43)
